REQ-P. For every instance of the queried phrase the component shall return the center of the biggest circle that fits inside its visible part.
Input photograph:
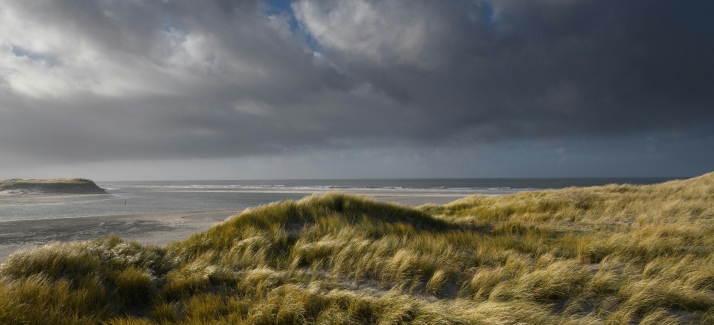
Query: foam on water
(143, 197)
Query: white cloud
(65, 62)
(386, 32)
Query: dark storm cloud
(105, 80)
(549, 68)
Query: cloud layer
(144, 80)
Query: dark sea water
(161, 196)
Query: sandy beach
(160, 228)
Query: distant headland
(18, 186)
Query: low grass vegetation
(61, 185)
(616, 254)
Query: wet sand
(6, 199)
(146, 228)
(160, 228)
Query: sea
(164, 196)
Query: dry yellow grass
(616, 254)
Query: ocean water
(163, 196)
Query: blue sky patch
(486, 12)
(279, 7)
(19, 51)
(34, 56)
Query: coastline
(157, 228)
(160, 228)
(9, 199)
(410, 197)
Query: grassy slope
(52, 185)
(612, 254)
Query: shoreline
(160, 228)
(410, 197)
(155, 228)
(48, 199)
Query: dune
(615, 254)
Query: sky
(219, 89)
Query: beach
(160, 228)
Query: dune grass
(616, 254)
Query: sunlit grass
(616, 254)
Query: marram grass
(600, 255)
